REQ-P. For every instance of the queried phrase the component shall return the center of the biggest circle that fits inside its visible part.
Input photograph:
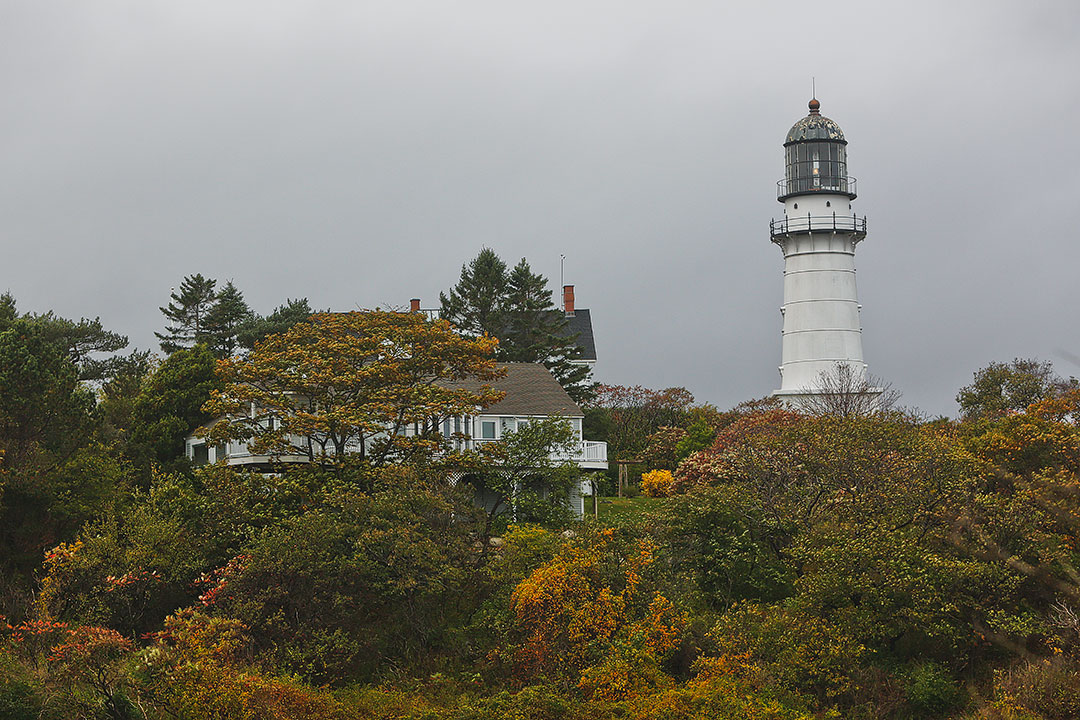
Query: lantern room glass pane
(816, 166)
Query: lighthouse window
(796, 206)
(816, 166)
(828, 203)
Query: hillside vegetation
(794, 565)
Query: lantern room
(816, 158)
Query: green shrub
(931, 691)
(19, 701)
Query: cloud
(359, 153)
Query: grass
(616, 509)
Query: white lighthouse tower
(818, 234)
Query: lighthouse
(822, 335)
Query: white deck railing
(587, 451)
(593, 451)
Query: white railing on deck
(587, 451)
(593, 451)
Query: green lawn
(615, 509)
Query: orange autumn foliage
(585, 615)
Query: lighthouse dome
(815, 126)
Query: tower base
(866, 401)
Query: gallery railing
(817, 223)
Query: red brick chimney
(568, 299)
(414, 305)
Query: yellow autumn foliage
(586, 614)
(657, 483)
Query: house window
(199, 454)
(576, 422)
(446, 428)
(487, 430)
(457, 425)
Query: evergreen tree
(80, 340)
(187, 313)
(475, 304)
(170, 403)
(277, 322)
(531, 319)
(42, 405)
(8, 313)
(225, 320)
(517, 308)
(55, 473)
(535, 331)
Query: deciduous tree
(633, 413)
(1002, 388)
(352, 383)
(530, 472)
(590, 614)
(844, 391)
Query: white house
(531, 393)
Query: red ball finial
(814, 106)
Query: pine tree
(517, 308)
(475, 304)
(535, 331)
(8, 313)
(225, 319)
(187, 313)
(277, 322)
(531, 320)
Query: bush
(19, 699)
(1048, 688)
(931, 691)
(657, 483)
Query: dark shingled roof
(530, 390)
(580, 324)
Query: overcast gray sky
(357, 153)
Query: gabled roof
(580, 324)
(530, 390)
